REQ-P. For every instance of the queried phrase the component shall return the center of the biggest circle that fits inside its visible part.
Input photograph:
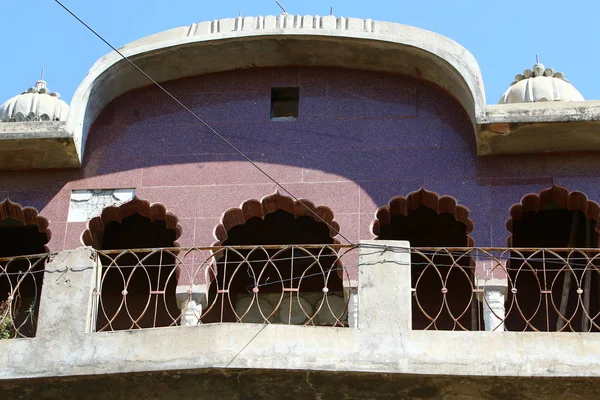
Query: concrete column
(65, 304)
(493, 305)
(384, 288)
(491, 282)
(191, 299)
(351, 295)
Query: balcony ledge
(539, 128)
(382, 343)
(300, 348)
(37, 145)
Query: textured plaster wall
(361, 138)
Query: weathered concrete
(383, 343)
(388, 310)
(67, 295)
(539, 128)
(36, 145)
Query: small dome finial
(35, 104)
(540, 84)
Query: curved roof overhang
(271, 41)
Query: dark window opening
(297, 268)
(151, 287)
(285, 102)
(17, 239)
(540, 281)
(423, 227)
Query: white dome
(36, 104)
(540, 84)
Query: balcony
(378, 308)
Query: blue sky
(503, 35)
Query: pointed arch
(402, 205)
(23, 234)
(155, 212)
(254, 208)
(299, 269)
(133, 280)
(442, 284)
(558, 196)
(554, 288)
(26, 216)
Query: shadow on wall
(389, 134)
(365, 127)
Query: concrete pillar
(351, 297)
(191, 299)
(66, 300)
(491, 283)
(493, 305)
(384, 286)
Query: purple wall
(361, 138)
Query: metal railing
(494, 289)
(291, 284)
(513, 289)
(21, 281)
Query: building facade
(393, 234)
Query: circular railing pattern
(295, 285)
(520, 289)
(21, 281)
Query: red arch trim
(401, 205)
(26, 215)
(554, 195)
(154, 211)
(268, 204)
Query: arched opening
(291, 282)
(553, 290)
(22, 233)
(137, 288)
(441, 280)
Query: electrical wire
(210, 128)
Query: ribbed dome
(36, 104)
(540, 84)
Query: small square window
(284, 103)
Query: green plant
(6, 321)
